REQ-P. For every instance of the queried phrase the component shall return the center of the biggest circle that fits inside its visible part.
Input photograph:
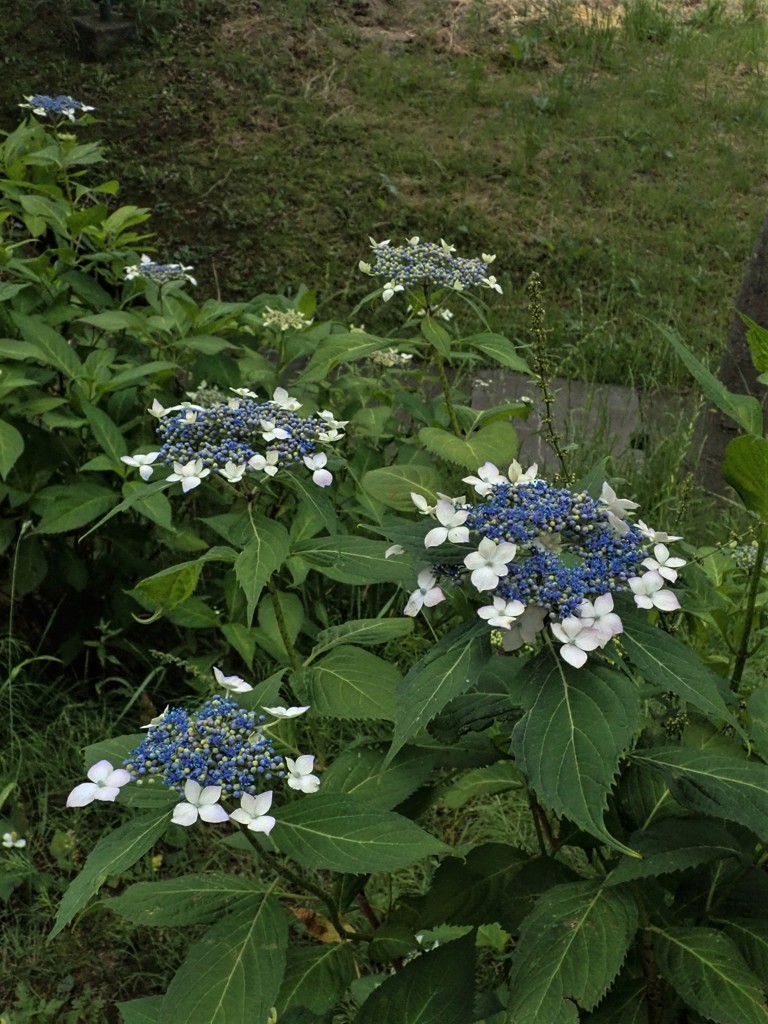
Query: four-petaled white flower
(200, 803)
(283, 400)
(501, 614)
(394, 549)
(232, 683)
(599, 614)
(158, 410)
(104, 785)
(331, 421)
(252, 812)
(491, 282)
(620, 507)
(487, 476)
(389, 290)
(663, 564)
(271, 432)
(655, 536)
(517, 475)
(649, 593)
(321, 476)
(190, 474)
(451, 528)
(233, 472)
(329, 436)
(577, 638)
(300, 776)
(444, 314)
(280, 712)
(524, 629)
(12, 839)
(143, 462)
(489, 562)
(244, 392)
(427, 594)
(267, 464)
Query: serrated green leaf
(757, 339)
(263, 555)
(577, 726)
(268, 634)
(479, 782)
(745, 467)
(571, 947)
(714, 784)
(353, 560)
(451, 666)
(499, 349)
(51, 347)
(337, 349)
(436, 335)
(349, 683)
(365, 632)
(234, 972)
(435, 988)
(359, 772)
(310, 494)
(706, 969)
(341, 833)
(316, 978)
(626, 1003)
(671, 665)
(392, 485)
(742, 409)
(112, 855)
(147, 1010)
(757, 706)
(496, 442)
(110, 439)
(67, 507)
(674, 844)
(170, 587)
(11, 447)
(190, 899)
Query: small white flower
(427, 595)
(422, 504)
(200, 803)
(299, 776)
(394, 549)
(601, 617)
(649, 593)
(389, 290)
(143, 462)
(244, 392)
(329, 436)
(321, 476)
(620, 507)
(446, 247)
(12, 839)
(104, 785)
(451, 527)
(487, 257)
(501, 614)
(266, 464)
(489, 563)
(232, 683)
(190, 474)
(487, 476)
(331, 421)
(378, 245)
(283, 400)
(233, 472)
(445, 314)
(457, 286)
(491, 282)
(158, 410)
(365, 267)
(517, 475)
(157, 719)
(655, 536)
(617, 525)
(577, 638)
(252, 812)
(271, 432)
(525, 629)
(281, 712)
(663, 564)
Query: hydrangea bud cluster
(160, 273)
(547, 556)
(744, 556)
(390, 357)
(284, 319)
(237, 436)
(55, 107)
(427, 263)
(219, 745)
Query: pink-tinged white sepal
(300, 775)
(502, 614)
(663, 563)
(649, 592)
(104, 785)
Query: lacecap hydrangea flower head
(161, 273)
(427, 264)
(55, 107)
(237, 437)
(544, 556)
(212, 757)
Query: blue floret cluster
(419, 262)
(61, 106)
(221, 744)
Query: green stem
(282, 626)
(440, 364)
(541, 372)
(749, 612)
